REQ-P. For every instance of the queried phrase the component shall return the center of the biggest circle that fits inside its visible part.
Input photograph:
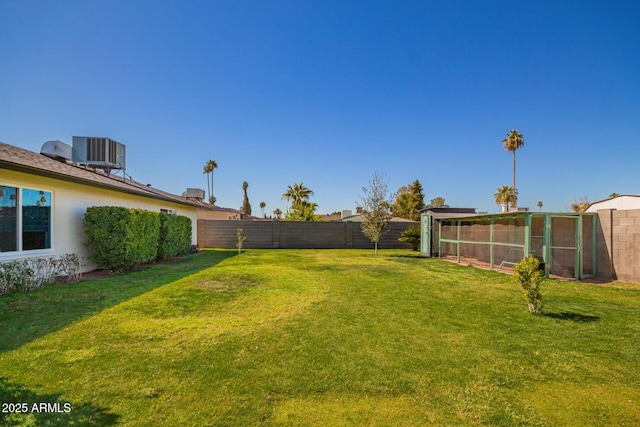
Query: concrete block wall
(619, 244)
(295, 235)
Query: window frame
(20, 252)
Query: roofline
(63, 177)
(514, 215)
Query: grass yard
(330, 337)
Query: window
(8, 219)
(25, 219)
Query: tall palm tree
(246, 206)
(208, 169)
(297, 193)
(512, 142)
(540, 205)
(262, 206)
(504, 195)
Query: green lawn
(327, 337)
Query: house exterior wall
(619, 244)
(619, 203)
(69, 205)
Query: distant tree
(512, 142)
(277, 213)
(262, 206)
(208, 170)
(409, 200)
(304, 211)
(297, 193)
(504, 194)
(301, 209)
(438, 202)
(614, 195)
(246, 206)
(336, 213)
(540, 205)
(579, 206)
(376, 204)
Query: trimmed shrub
(411, 235)
(528, 275)
(120, 237)
(175, 236)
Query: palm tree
(277, 213)
(504, 195)
(297, 193)
(540, 205)
(208, 169)
(614, 195)
(262, 206)
(246, 206)
(512, 142)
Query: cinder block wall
(295, 235)
(619, 244)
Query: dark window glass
(8, 219)
(36, 219)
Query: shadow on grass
(575, 317)
(49, 409)
(26, 317)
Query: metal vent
(104, 153)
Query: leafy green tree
(208, 170)
(411, 235)
(504, 194)
(438, 202)
(304, 211)
(246, 206)
(377, 205)
(512, 142)
(409, 201)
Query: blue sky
(328, 92)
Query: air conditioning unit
(98, 152)
(194, 193)
(57, 150)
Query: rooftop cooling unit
(101, 153)
(194, 193)
(57, 150)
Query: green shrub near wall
(175, 236)
(120, 237)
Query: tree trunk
(376, 246)
(515, 194)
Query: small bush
(174, 237)
(28, 274)
(241, 239)
(121, 238)
(411, 235)
(528, 275)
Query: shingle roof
(22, 160)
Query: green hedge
(175, 236)
(120, 237)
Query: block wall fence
(296, 235)
(619, 245)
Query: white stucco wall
(69, 205)
(619, 203)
